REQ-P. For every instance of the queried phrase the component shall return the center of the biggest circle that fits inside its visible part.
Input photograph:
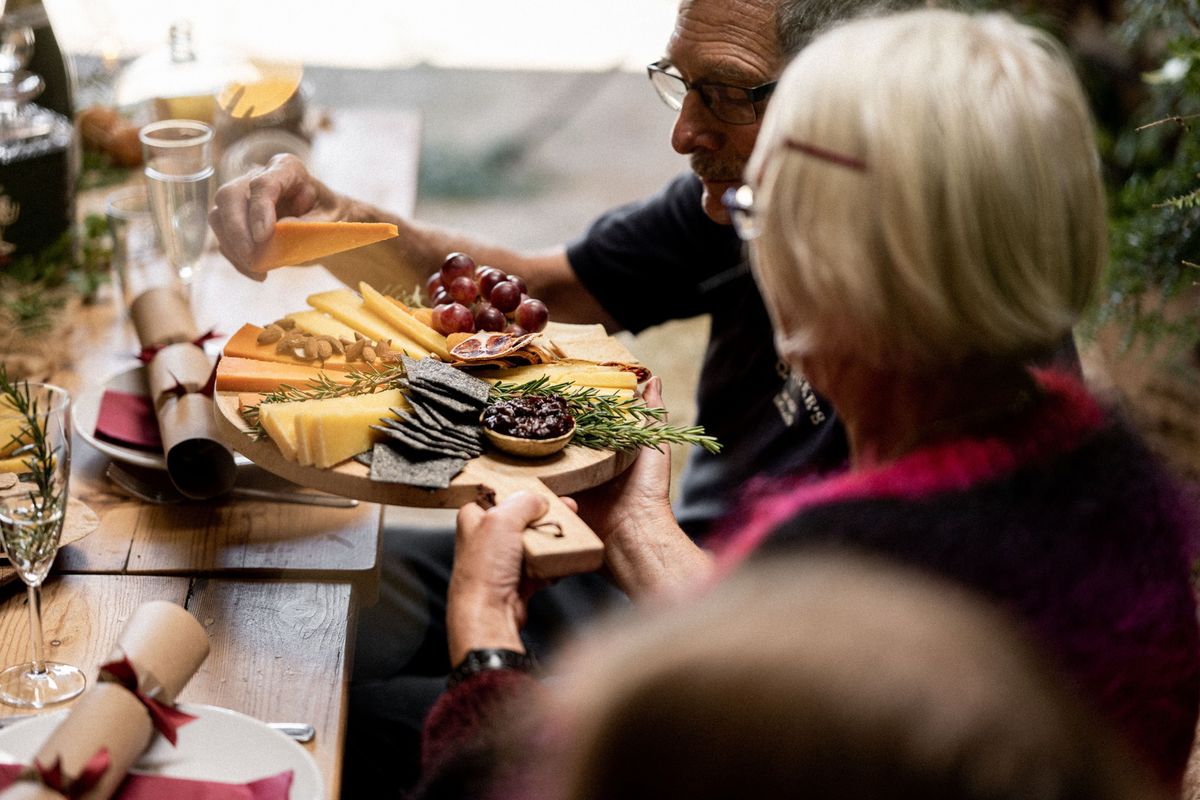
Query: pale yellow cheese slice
(388, 309)
(279, 419)
(333, 434)
(345, 306)
(579, 373)
(318, 324)
(335, 437)
(298, 241)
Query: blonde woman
(926, 217)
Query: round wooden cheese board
(559, 544)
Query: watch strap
(489, 658)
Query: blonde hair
(978, 225)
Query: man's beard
(715, 169)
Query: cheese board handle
(558, 544)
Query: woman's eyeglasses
(739, 202)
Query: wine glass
(35, 430)
(179, 177)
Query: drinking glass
(179, 177)
(137, 258)
(31, 522)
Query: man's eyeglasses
(739, 202)
(735, 105)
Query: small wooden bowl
(528, 448)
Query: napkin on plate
(128, 420)
(178, 375)
(157, 787)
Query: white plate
(221, 745)
(85, 410)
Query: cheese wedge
(319, 324)
(244, 344)
(14, 464)
(11, 426)
(346, 306)
(579, 373)
(249, 375)
(279, 419)
(297, 241)
(332, 438)
(399, 317)
(340, 428)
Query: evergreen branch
(324, 387)
(610, 421)
(31, 437)
(1182, 202)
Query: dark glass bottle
(37, 162)
(48, 59)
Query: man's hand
(246, 209)
(644, 548)
(486, 605)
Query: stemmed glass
(179, 177)
(35, 431)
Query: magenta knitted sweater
(1066, 520)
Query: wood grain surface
(279, 652)
(235, 536)
(81, 617)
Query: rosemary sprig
(609, 421)
(322, 388)
(31, 437)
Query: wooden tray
(559, 544)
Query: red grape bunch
(467, 298)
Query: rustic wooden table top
(279, 647)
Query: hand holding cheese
(297, 241)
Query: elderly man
(671, 256)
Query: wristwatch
(489, 658)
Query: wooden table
(276, 585)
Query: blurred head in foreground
(834, 678)
(928, 193)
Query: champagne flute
(179, 177)
(35, 431)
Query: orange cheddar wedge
(298, 242)
(249, 375)
(244, 344)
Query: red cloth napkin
(157, 787)
(128, 420)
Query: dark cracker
(447, 436)
(435, 374)
(439, 420)
(419, 447)
(432, 437)
(391, 466)
(453, 408)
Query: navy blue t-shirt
(662, 259)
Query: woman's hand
(247, 207)
(486, 602)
